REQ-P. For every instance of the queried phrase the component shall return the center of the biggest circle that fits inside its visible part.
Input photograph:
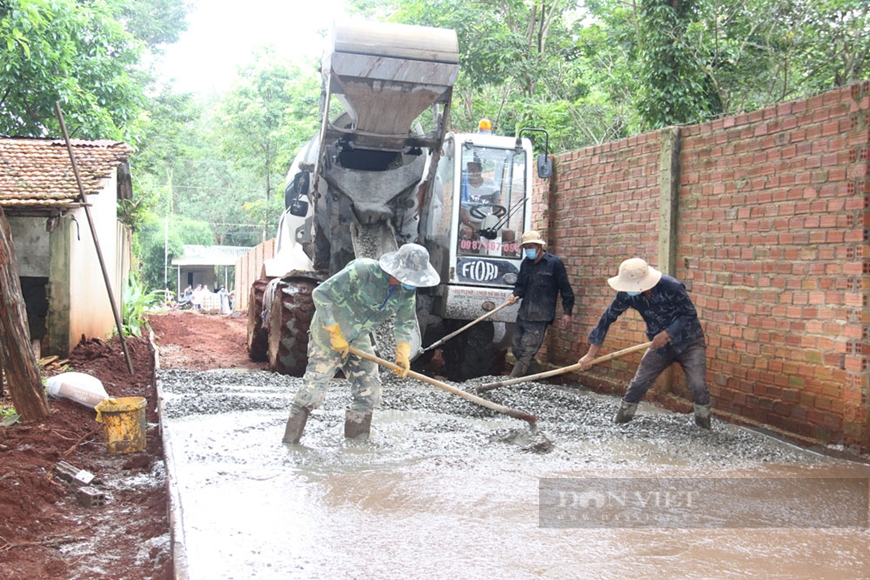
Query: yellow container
(123, 420)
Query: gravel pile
(574, 424)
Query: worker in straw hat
(348, 306)
(671, 324)
(541, 280)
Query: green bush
(136, 303)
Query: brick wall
(772, 242)
(601, 207)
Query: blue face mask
(407, 286)
(633, 293)
(531, 253)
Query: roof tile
(38, 172)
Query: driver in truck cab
(476, 190)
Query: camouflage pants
(365, 384)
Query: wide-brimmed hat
(410, 265)
(532, 237)
(635, 275)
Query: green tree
(269, 113)
(184, 170)
(154, 22)
(674, 88)
(73, 53)
(85, 55)
(724, 57)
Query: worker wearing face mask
(671, 324)
(541, 280)
(350, 305)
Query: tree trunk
(22, 370)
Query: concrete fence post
(669, 196)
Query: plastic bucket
(123, 421)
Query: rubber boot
(295, 426)
(625, 412)
(519, 370)
(702, 416)
(357, 426)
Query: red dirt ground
(44, 532)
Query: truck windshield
(492, 187)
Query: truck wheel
(471, 354)
(289, 320)
(258, 336)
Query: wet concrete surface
(448, 489)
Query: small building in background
(61, 278)
(211, 266)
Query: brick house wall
(770, 232)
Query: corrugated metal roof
(38, 172)
(210, 255)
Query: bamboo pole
(531, 419)
(87, 207)
(466, 327)
(563, 370)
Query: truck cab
(476, 208)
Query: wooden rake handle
(568, 369)
(531, 419)
(466, 327)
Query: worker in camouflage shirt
(350, 305)
(671, 324)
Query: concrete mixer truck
(384, 171)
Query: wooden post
(22, 368)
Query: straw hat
(532, 237)
(635, 275)
(410, 265)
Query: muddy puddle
(448, 489)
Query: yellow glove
(336, 339)
(403, 354)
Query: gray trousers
(528, 338)
(693, 359)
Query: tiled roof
(209, 255)
(38, 172)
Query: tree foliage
(73, 53)
(85, 55)
(674, 88)
(269, 113)
(609, 68)
(154, 22)
(216, 165)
